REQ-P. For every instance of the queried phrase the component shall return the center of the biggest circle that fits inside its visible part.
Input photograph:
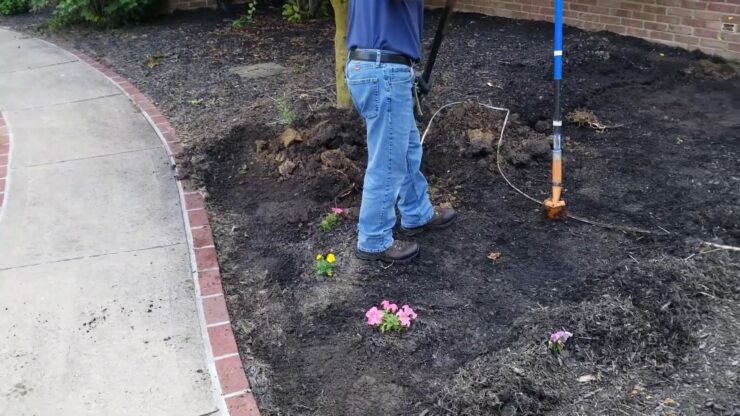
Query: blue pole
(558, 39)
(555, 204)
(557, 121)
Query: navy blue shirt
(393, 25)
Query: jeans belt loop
(346, 65)
(377, 58)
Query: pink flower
(337, 211)
(406, 310)
(560, 336)
(405, 319)
(374, 316)
(392, 307)
(405, 315)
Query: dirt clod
(290, 136)
(261, 145)
(542, 126)
(537, 148)
(481, 142)
(336, 159)
(287, 167)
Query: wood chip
(587, 378)
(494, 255)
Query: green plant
(99, 12)
(248, 15)
(293, 12)
(285, 113)
(9, 7)
(390, 318)
(391, 323)
(325, 266)
(329, 221)
(557, 340)
(196, 101)
(39, 5)
(296, 11)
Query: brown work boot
(442, 218)
(398, 252)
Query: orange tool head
(555, 209)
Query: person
(384, 40)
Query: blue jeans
(382, 95)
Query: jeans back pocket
(365, 94)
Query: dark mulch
(654, 321)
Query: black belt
(385, 57)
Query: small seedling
(557, 340)
(196, 102)
(324, 266)
(390, 318)
(329, 221)
(285, 113)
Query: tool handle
(558, 44)
(555, 204)
(437, 43)
(557, 119)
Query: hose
(522, 193)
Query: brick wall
(191, 4)
(690, 24)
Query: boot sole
(416, 231)
(380, 257)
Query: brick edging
(234, 393)
(4, 160)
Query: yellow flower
(330, 258)
(319, 257)
(329, 273)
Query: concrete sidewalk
(97, 304)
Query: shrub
(296, 11)
(9, 7)
(99, 12)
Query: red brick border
(221, 350)
(4, 159)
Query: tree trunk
(341, 8)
